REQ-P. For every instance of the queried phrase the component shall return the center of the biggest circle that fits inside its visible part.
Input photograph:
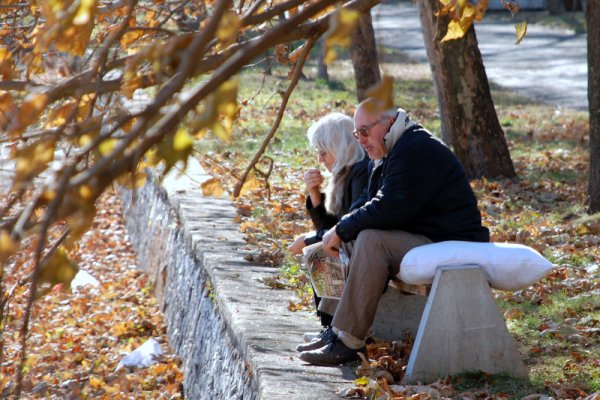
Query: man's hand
(331, 242)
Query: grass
(556, 321)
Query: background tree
(322, 72)
(363, 52)
(477, 138)
(426, 17)
(593, 26)
(556, 7)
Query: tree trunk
(363, 52)
(593, 24)
(322, 72)
(556, 7)
(431, 46)
(478, 139)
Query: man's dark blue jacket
(420, 187)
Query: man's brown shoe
(321, 340)
(333, 353)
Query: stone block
(462, 330)
(397, 314)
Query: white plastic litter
(142, 357)
(83, 278)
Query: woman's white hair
(333, 134)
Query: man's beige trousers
(375, 256)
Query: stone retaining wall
(235, 335)
(177, 257)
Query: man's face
(370, 130)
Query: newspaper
(327, 273)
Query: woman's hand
(298, 245)
(313, 180)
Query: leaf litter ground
(77, 338)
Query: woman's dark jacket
(355, 187)
(420, 187)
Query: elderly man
(418, 193)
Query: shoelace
(331, 341)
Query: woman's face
(327, 159)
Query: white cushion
(507, 266)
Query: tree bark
(322, 72)
(363, 52)
(431, 46)
(593, 24)
(478, 139)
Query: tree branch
(294, 81)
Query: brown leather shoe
(321, 340)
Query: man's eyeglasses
(364, 130)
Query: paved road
(549, 65)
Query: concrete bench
(456, 324)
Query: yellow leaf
(130, 37)
(342, 24)
(107, 146)
(383, 91)
(294, 55)
(480, 9)
(152, 156)
(219, 130)
(86, 192)
(33, 159)
(134, 180)
(182, 141)
(7, 109)
(84, 12)
(219, 111)
(75, 38)
(468, 11)
(281, 54)
(96, 383)
(228, 27)
(521, 31)
(34, 63)
(29, 112)
(81, 220)
(7, 248)
(58, 269)
(171, 149)
(131, 82)
(58, 116)
(7, 68)
(455, 31)
(84, 106)
(227, 98)
(212, 187)
(251, 183)
(362, 381)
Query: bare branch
(294, 81)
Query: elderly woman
(343, 156)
